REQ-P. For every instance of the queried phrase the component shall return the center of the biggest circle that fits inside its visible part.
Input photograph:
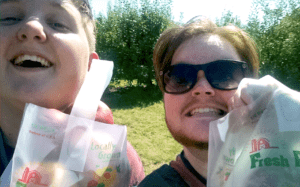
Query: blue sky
(191, 8)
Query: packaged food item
(258, 144)
(59, 150)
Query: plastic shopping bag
(257, 144)
(56, 149)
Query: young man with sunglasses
(198, 67)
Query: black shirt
(190, 167)
(6, 153)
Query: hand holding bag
(56, 149)
(257, 144)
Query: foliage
(275, 27)
(128, 34)
(277, 37)
(130, 96)
(281, 50)
(228, 18)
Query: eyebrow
(60, 6)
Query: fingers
(241, 97)
(252, 91)
(236, 102)
(257, 107)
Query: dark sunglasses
(221, 74)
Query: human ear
(93, 55)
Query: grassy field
(141, 110)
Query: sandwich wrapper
(258, 144)
(59, 150)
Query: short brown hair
(172, 38)
(88, 22)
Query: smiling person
(46, 50)
(198, 68)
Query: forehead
(204, 49)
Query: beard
(185, 140)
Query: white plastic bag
(257, 144)
(56, 149)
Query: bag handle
(78, 131)
(96, 81)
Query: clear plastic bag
(257, 144)
(56, 149)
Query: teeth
(203, 110)
(22, 58)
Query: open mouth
(217, 112)
(31, 61)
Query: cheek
(173, 105)
(75, 48)
(226, 95)
(74, 52)
(8, 39)
(3, 43)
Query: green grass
(141, 110)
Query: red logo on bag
(259, 144)
(227, 174)
(107, 178)
(30, 177)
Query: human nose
(202, 86)
(32, 30)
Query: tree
(128, 34)
(228, 18)
(277, 36)
(282, 53)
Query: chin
(43, 101)
(199, 142)
(187, 142)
